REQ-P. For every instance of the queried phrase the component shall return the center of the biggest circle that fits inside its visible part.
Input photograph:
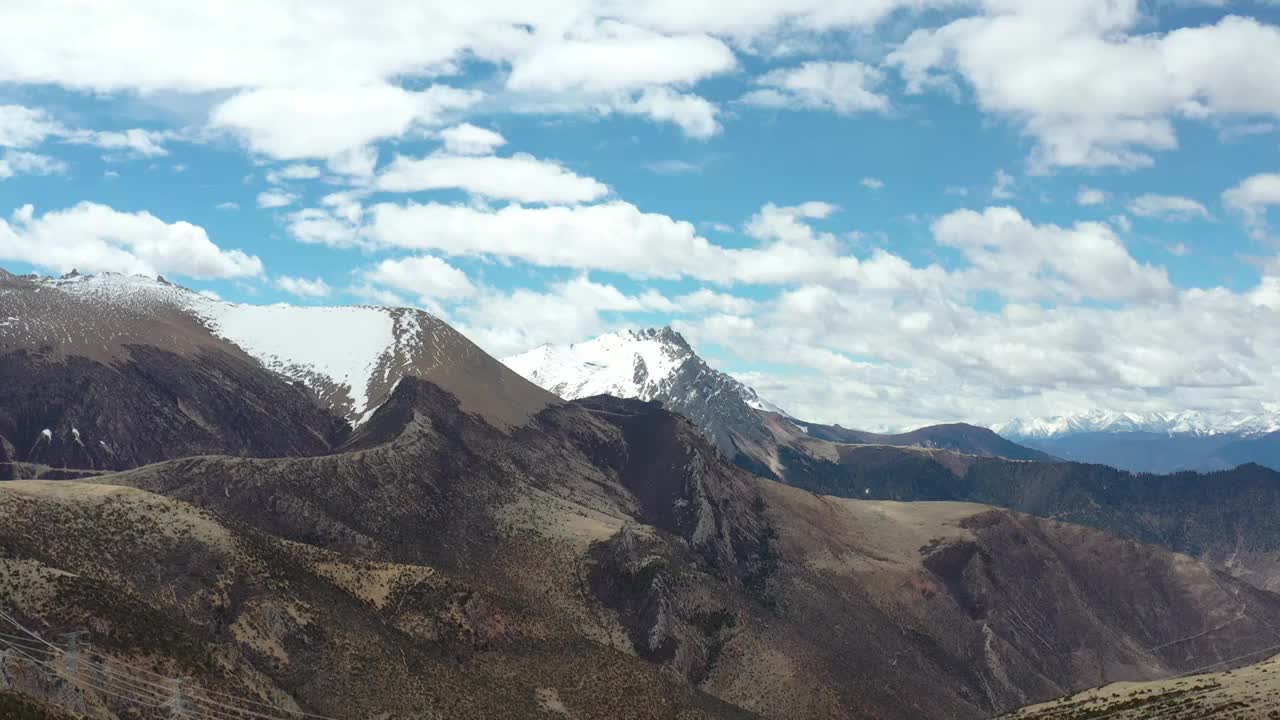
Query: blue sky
(882, 213)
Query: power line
(85, 667)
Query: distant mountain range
(1154, 442)
(658, 364)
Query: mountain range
(393, 524)
(1154, 442)
(659, 365)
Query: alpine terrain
(395, 525)
(1154, 442)
(660, 365)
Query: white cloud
(1252, 197)
(1089, 91)
(613, 57)
(872, 183)
(673, 167)
(20, 162)
(468, 139)
(228, 205)
(1009, 254)
(692, 114)
(708, 300)
(507, 322)
(1090, 196)
(22, 127)
(1004, 185)
(426, 276)
(296, 123)
(1170, 208)
(296, 171)
(147, 143)
(316, 226)
(356, 163)
(276, 198)
(93, 237)
(303, 287)
(842, 87)
(521, 177)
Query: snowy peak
(628, 364)
(1187, 422)
(650, 364)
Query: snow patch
(341, 344)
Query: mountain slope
(1249, 692)
(617, 520)
(958, 437)
(1223, 518)
(125, 370)
(113, 373)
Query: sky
(882, 213)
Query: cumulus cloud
(1251, 198)
(614, 56)
(1170, 208)
(276, 198)
(1004, 186)
(137, 141)
(694, 115)
(521, 177)
(842, 87)
(297, 123)
(22, 126)
(20, 162)
(295, 171)
(425, 276)
(1090, 196)
(1092, 89)
(504, 322)
(1021, 260)
(468, 139)
(93, 237)
(872, 183)
(310, 289)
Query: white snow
(1181, 422)
(321, 346)
(606, 365)
(342, 344)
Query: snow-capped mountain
(651, 364)
(350, 356)
(1187, 422)
(1158, 442)
(658, 364)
